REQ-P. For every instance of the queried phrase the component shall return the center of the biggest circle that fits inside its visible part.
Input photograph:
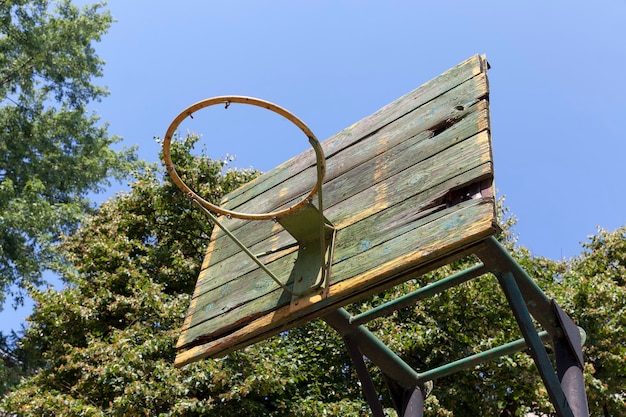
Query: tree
(53, 151)
(105, 344)
(475, 317)
(595, 288)
(10, 366)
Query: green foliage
(105, 345)
(53, 151)
(10, 366)
(594, 290)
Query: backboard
(407, 189)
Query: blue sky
(557, 88)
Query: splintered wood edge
(221, 346)
(478, 66)
(260, 328)
(283, 318)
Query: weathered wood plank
(401, 189)
(413, 139)
(240, 293)
(409, 184)
(416, 246)
(425, 93)
(294, 185)
(406, 185)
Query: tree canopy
(105, 344)
(53, 149)
(594, 289)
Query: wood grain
(387, 212)
(407, 188)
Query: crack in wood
(453, 197)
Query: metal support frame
(409, 388)
(369, 390)
(566, 388)
(402, 380)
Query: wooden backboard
(408, 188)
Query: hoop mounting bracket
(311, 270)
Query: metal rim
(227, 100)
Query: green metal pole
(241, 246)
(375, 350)
(482, 357)
(478, 358)
(499, 260)
(537, 351)
(420, 294)
(367, 385)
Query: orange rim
(227, 100)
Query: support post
(570, 364)
(537, 351)
(364, 376)
(413, 405)
(408, 402)
(401, 379)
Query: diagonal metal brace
(537, 351)
(404, 384)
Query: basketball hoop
(226, 101)
(315, 243)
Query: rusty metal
(312, 268)
(227, 100)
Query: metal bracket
(571, 334)
(315, 236)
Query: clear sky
(557, 86)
